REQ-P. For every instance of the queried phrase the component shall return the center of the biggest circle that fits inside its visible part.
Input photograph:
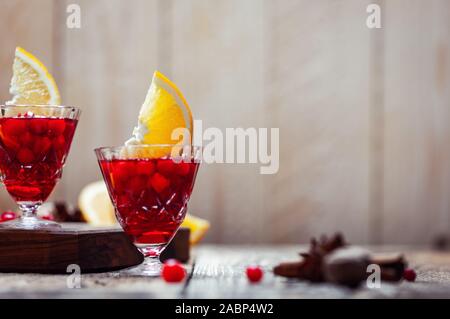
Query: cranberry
(56, 126)
(145, 168)
(25, 156)
(166, 167)
(11, 143)
(26, 138)
(38, 126)
(13, 127)
(7, 216)
(47, 217)
(159, 182)
(121, 172)
(173, 271)
(254, 273)
(409, 274)
(183, 168)
(136, 184)
(59, 143)
(42, 145)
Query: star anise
(332, 260)
(310, 266)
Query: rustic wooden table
(218, 272)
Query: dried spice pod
(331, 260)
(288, 269)
(392, 265)
(346, 266)
(310, 267)
(327, 245)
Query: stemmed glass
(34, 143)
(150, 191)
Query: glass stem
(28, 209)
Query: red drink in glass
(32, 153)
(150, 192)
(150, 196)
(34, 142)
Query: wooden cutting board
(52, 251)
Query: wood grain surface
(52, 251)
(93, 249)
(218, 272)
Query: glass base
(150, 267)
(30, 223)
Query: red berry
(409, 274)
(145, 168)
(173, 271)
(13, 127)
(136, 184)
(42, 145)
(56, 126)
(120, 172)
(166, 166)
(59, 143)
(183, 168)
(47, 217)
(26, 139)
(11, 142)
(8, 216)
(38, 126)
(159, 182)
(25, 156)
(254, 273)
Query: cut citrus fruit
(164, 110)
(31, 83)
(198, 227)
(95, 205)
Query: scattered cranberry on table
(8, 215)
(47, 217)
(409, 274)
(254, 273)
(173, 271)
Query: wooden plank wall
(363, 114)
(318, 88)
(417, 115)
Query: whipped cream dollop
(139, 133)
